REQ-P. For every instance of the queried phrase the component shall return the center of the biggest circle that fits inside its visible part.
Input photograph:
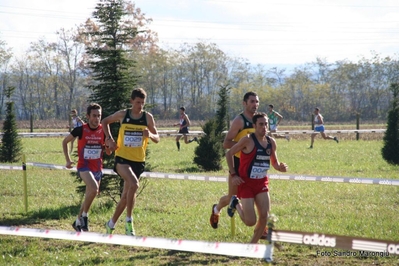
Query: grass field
(181, 209)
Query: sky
(267, 32)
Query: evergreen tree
(390, 150)
(111, 72)
(210, 153)
(11, 146)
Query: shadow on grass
(165, 257)
(56, 213)
(34, 217)
(191, 169)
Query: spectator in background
(75, 122)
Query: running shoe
(108, 229)
(84, 221)
(214, 218)
(336, 139)
(76, 227)
(130, 228)
(264, 235)
(232, 206)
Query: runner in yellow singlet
(137, 127)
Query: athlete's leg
(325, 136)
(262, 203)
(186, 139)
(130, 186)
(92, 187)
(224, 200)
(178, 137)
(312, 138)
(246, 210)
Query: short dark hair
(183, 108)
(250, 93)
(93, 106)
(139, 92)
(317, 109)
(271, 106)
(259, 115)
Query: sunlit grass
(181, 209)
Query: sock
(215, 210)
(77, 221)
(111, 223)
(84, 214)
(129, 219)
(178, 145)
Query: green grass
(181, 209)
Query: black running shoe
(85, 224)
(232, 206)
(76, 227)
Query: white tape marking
(218, 248)
(351, 180)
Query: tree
(5, 56)
(112, 80)
(11, 147)
(391, 137)
(209, 153)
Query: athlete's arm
(239, 146)
(320, 118)
(79, 120)
(187, 121)
(152, 131)
(279, 117)
(236, 126)
(116, 117)
(279, 166)
(65, 142)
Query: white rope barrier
(332, 179)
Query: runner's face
(261, 126)
(137, 104)
(252, 104)
(94, 118)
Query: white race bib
(92, 152)
(258, 172)
(133, 139)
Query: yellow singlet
(247, 129)
(131, 142)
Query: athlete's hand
(108, 150)
(146, 133)
(69, 164)
(283, 167)
(236, 180)
(111, 145)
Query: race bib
(258, 172)
(92, 152)
(133, 139)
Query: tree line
(52, 78)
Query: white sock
(84, 214)
(77, 221)
(129, 219)
(111, 224)
(215, 210)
